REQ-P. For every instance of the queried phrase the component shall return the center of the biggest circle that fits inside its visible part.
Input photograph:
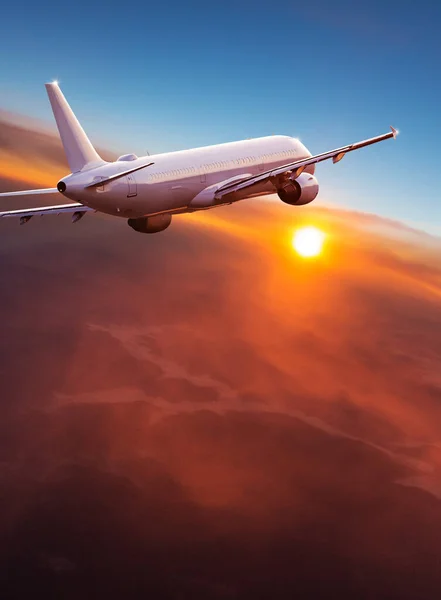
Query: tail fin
(79, 151)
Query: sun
(308, 241)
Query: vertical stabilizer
(79, 151)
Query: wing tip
(395, 132)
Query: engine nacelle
(297, 192)
(150, 224)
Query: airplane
(149, 190)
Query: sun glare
(308, 241)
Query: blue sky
(164, 76)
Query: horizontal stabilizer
(101, 182)
(29, 192)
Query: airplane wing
(297, 167)
(25, 214)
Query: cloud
(30, 153)
(204, 406)
(136, 343)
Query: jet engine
(150, 224)
(297, 192)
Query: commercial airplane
(148, 190)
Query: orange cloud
(207, 388)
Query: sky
(251, 418)
(154, 77)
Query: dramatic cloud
(202, 413)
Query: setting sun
(308, 241)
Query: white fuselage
(174, 179)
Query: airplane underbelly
(180, 195)
(169, 196)
(257, 190)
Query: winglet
(79, 151)
(395, 132)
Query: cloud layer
(202, 413)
